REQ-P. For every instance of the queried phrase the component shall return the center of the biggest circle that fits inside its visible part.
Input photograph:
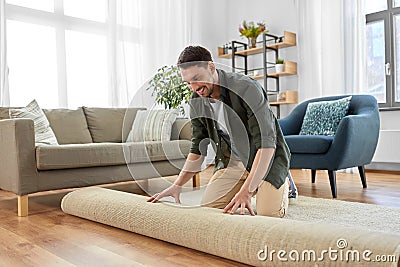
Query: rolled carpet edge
(253, 240)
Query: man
(231, 111)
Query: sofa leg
(332, 181)
(313, 173)
(196, 180)
(23, 206)
(361, 170)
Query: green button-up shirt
(251, 125)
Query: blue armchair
(353, 145)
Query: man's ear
(211, 66)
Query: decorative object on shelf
(279, 65)
(251, 31)
(169, 88)
(288, 97)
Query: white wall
(209, 24)
(387, 155)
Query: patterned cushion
(152, 125)
(323, 118)
(43, 133)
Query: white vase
(279, 68)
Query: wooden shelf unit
(289, 39)
(257, 77)
(221, 54)
(289, 68)
(251, 51)
(269, 43)
(285, 98)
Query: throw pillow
(69, 126)
(152, 125)
(323, 118)
(43, 133)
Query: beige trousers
(225, 183)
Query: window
(383, 51)
(86, 69)
(31, 51)
(62, 50)
(95, 10)
(45, 5)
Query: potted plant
(169, 88)
(279, 65)
(252, 30)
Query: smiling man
(231, 111)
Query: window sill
(389, 108)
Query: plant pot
(279, 68)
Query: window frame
(62, 23)
(388, 17)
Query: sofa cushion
(69, 126)
(108, 125)
(43, 132)
(308, 144)
(152, 125)
(108, 154)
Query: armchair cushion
(323, 117)
(309, 144)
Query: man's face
(200, 79)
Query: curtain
(354, 46)
(331, 48)
(331, 45)
(144, 36)
(4, 93)
(321, 54)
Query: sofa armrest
(181, 129)
(17, 155)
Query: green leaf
(168, 88)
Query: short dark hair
(194, 55)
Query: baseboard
(383, 166)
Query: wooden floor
(48, 237)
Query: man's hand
(243, 200)
(173, 191)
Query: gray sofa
(91, 151)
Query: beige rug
(254, 240)
(343, 213)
